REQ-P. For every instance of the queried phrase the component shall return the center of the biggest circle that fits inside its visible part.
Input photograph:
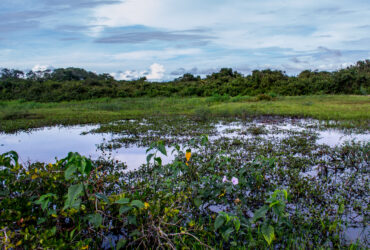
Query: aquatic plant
(208, 197)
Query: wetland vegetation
(252, 183)
(348, 110)
(218, 170)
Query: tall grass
(323, 107)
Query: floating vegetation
(280, 189)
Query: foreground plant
(200, 200)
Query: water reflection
(47, 143)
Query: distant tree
(187, 77)
(72, 74)
(11, 73)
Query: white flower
(235, 181)
(224, 179)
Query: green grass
(19, 115)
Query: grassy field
(18, 115)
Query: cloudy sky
(163, 39)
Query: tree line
(65, 84)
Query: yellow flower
(85, 247)
(146, 205)
(188, 155)
(221, 195)
(191, 223)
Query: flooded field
(324, 170)
(129, 146)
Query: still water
(48, 143)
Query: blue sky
(163, 39)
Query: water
(330, 137)
(47, 143)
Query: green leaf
(72, 233)
(162, 148)
(41, 220)
(277, 202)
(69, 172)
(124, 209)
(333, 226)
(158, 160)
(121, 243)
(152, 145)
(83, 165)
(149, 157)
(103, 197)
(45, 200)
(95, 219)
(227, 233)
(260, 213)
(6, 158)
(137, 203)
(74, 192)
(341, 209)
(236, 222)
(279, 209)
(123, 201)
(197, 202)
(131, 219)
(285, 194)
(204, 140)
(219, 222)
(268, 233)
(53, 230)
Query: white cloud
(248, 24)
(156, 72)
(237, 33)
(127, 75)
(38, 67)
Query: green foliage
(275, 207)
(202, 114)
(79, 84)
(45, 200)
(74, 192)
(268, 233)
(227, 225)
(79, 203)
(156, 147)
(348, 110)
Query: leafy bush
(264, 97)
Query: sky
(163, 39)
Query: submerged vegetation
(229, 192)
